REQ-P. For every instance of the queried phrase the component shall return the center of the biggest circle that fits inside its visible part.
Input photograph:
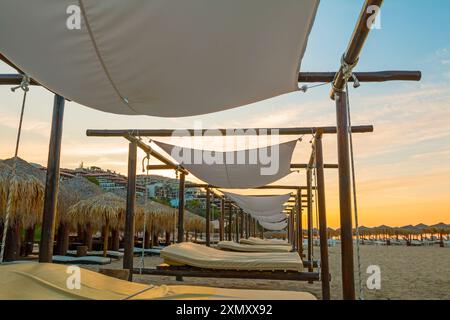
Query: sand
(408, 273)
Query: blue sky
(402, 167)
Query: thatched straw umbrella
(103, 211)
(158, 218)
(194, 223)
(65, 199)
(409, 231)
(21, 204)
(76, 189)
(441, 229)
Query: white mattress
(45, 281)
(258, 241)
(199, 256)
(239, 247)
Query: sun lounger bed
(193, 260)
(155, 251)
(239, 247)
(257, 241)
(81, 260)
(45, 281)
(109, 254)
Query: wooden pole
(52, 182)
(29, 240)
(249, 226)
(181, 208)
(222, 219)
(348, 280)
(115, 235)
(294, 229)
(230, 219)
(62, 243)
(106, 238)
(299, 225)
(208, 217)
(12, 248)
(325, 272)
(236, 224)
(309, 217)
(290, 229)
(241, 225)
(377, 76)
(130, 210)
(303, 77)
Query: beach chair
(110, 254)
(240, 247)
(46, 281)
(193, 260)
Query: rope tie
(24, 85)
(347, 71)
(347, 68)
(145, 214)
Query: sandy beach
(407, 273)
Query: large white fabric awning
(161, 58)
(260, 206)
(274, 226)
(235, 169)
(275, 218)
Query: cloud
(32, 125)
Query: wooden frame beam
(190, 132)
(175, 167)
(378, 76)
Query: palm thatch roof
(75, 190)
(441, 227)
(159, 217)
(193, 222)
(99, 210)
(26, 191)
(65, 194)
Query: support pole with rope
(24, 85)
(324, 265)
(309, 217)
(222, 219)
(230, 220)
(180, 230)
(208, 217)
(299, 223)
(348, 278)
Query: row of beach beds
(252, 258)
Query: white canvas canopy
(260, 205)
(272, 219)
(274, 226)
(161, 58)
(234, 169)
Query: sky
(403, 172)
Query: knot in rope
(347, 68)
(24, 84)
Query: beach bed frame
(188, 271)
